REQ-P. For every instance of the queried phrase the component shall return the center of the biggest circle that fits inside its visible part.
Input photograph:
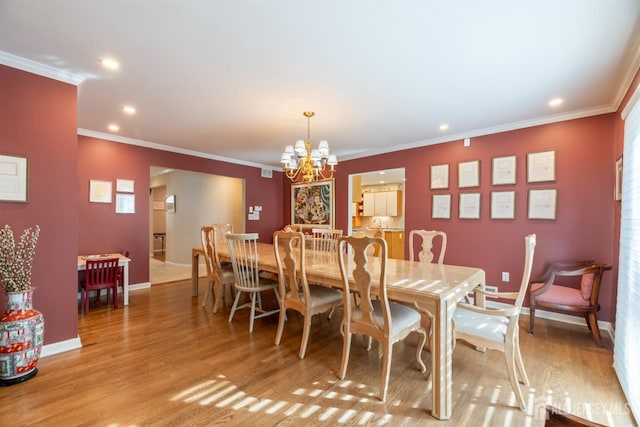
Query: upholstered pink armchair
(554, 292)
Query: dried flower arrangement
(16, 261)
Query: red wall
(102, 230)
(38, 119)
(584, 179)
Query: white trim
(558, 317)
(60, 347)
(40, 69)
(632, 101)
(138, 286)
(588, 112)
(156, 146)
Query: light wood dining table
(434, 288)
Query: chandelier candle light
(301, 163)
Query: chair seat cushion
(402, 316)
(322, 295)
(489, 327)
(557, 294)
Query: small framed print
(441, 206)
(469, 174)
(125, 203)
(99, 191)
(439, 177)
(124, 185)
(503, 204)
(14, 173)
(469, 207)
(503, 170)
(541, 167)
(170, 203)
(542, 204)
(617, 195)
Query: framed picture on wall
(14, 172)
(469, 207)
(503, 205)
(439, 176)
(617, 195)
(170, 203)
(99, 191)
(469, 174)
(541, 167)
(312, 205)
(125, 203)
(542, 204)
(441, 206)
(503, 170)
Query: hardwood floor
(165, 360)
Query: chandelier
(303, 163)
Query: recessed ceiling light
(109, 63)
(129, 109)
(555, 102)
(444, 126)
(114, 127)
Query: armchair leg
(593, 325)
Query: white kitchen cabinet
(382, 203)
(368, 204)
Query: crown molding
(603, 109)
(156, 146)
(40, 69)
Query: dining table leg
(442, 356)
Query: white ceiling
(230, 79)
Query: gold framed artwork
(469, 174)
(312, 205)
(542, 204)
(439, 176)
(541, 167)
(14, 174)
(503, 170)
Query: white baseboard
(138, 286)
(60, 347)
(558, 317)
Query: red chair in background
(100, 274)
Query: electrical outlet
(505, 276)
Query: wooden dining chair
(243, 249)
(498, 329)
(218, 278)
(572, 288)
(100, 274)
(295, 291)
(426, 239)
(385, 321)
(325, 239)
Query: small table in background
(162, 237)
(123, 261)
